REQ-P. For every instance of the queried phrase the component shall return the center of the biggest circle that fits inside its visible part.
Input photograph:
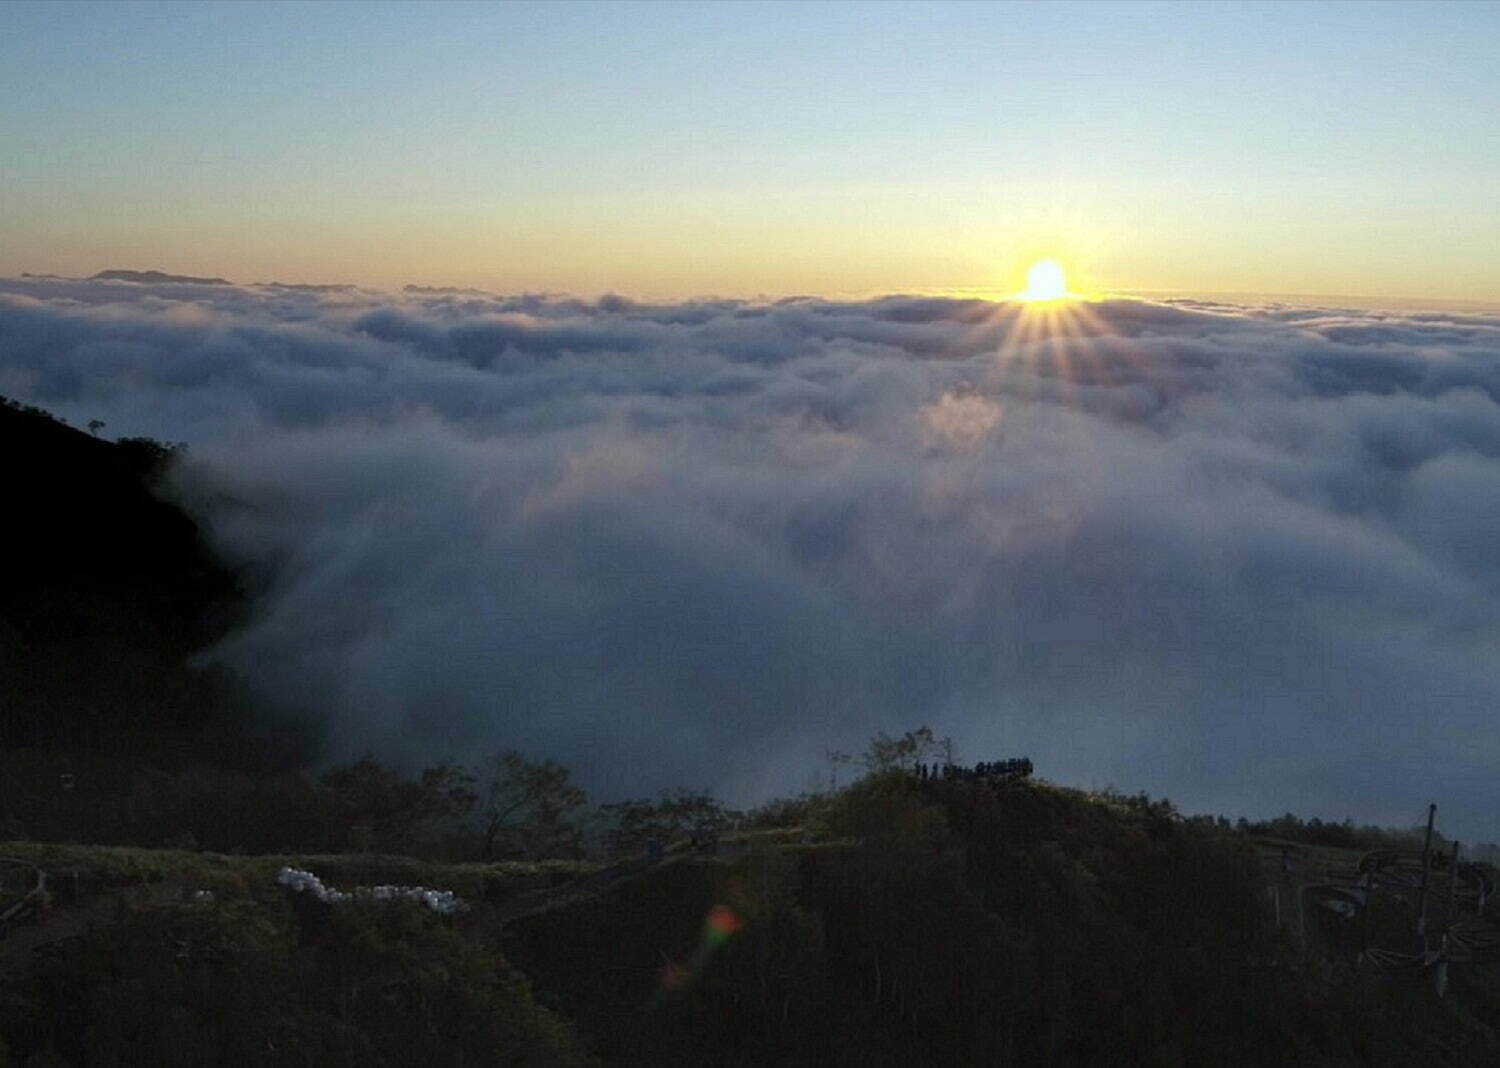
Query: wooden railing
(31, 888)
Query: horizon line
(965, 292)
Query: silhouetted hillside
(951, 923)
(109, 591)
(311, 287)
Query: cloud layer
(1245, 557)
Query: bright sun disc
(1045, 280)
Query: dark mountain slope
(108, 591)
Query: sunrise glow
(1045, 280)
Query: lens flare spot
(721, 923)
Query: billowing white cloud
(1245, 557)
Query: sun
(1045, 280)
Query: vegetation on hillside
(227, 983)
(903, 921)
(959, 924)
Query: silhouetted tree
(527, 807)
(399, 810)
(904, 753)
(674, 814)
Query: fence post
(1426, 870)
(1452, 889)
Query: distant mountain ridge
(120, 275)
(445, 291)
(312, 287)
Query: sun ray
(1034, 338)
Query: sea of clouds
(1247, 557)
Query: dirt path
(488, 921)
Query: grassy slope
(956, 926)
(125, 968)
(104, 868)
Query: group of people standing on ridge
(984, 771)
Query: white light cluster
(305, 882)
(443, 902)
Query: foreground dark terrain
(958, 925)
(968, 919)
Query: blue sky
(759, 147)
